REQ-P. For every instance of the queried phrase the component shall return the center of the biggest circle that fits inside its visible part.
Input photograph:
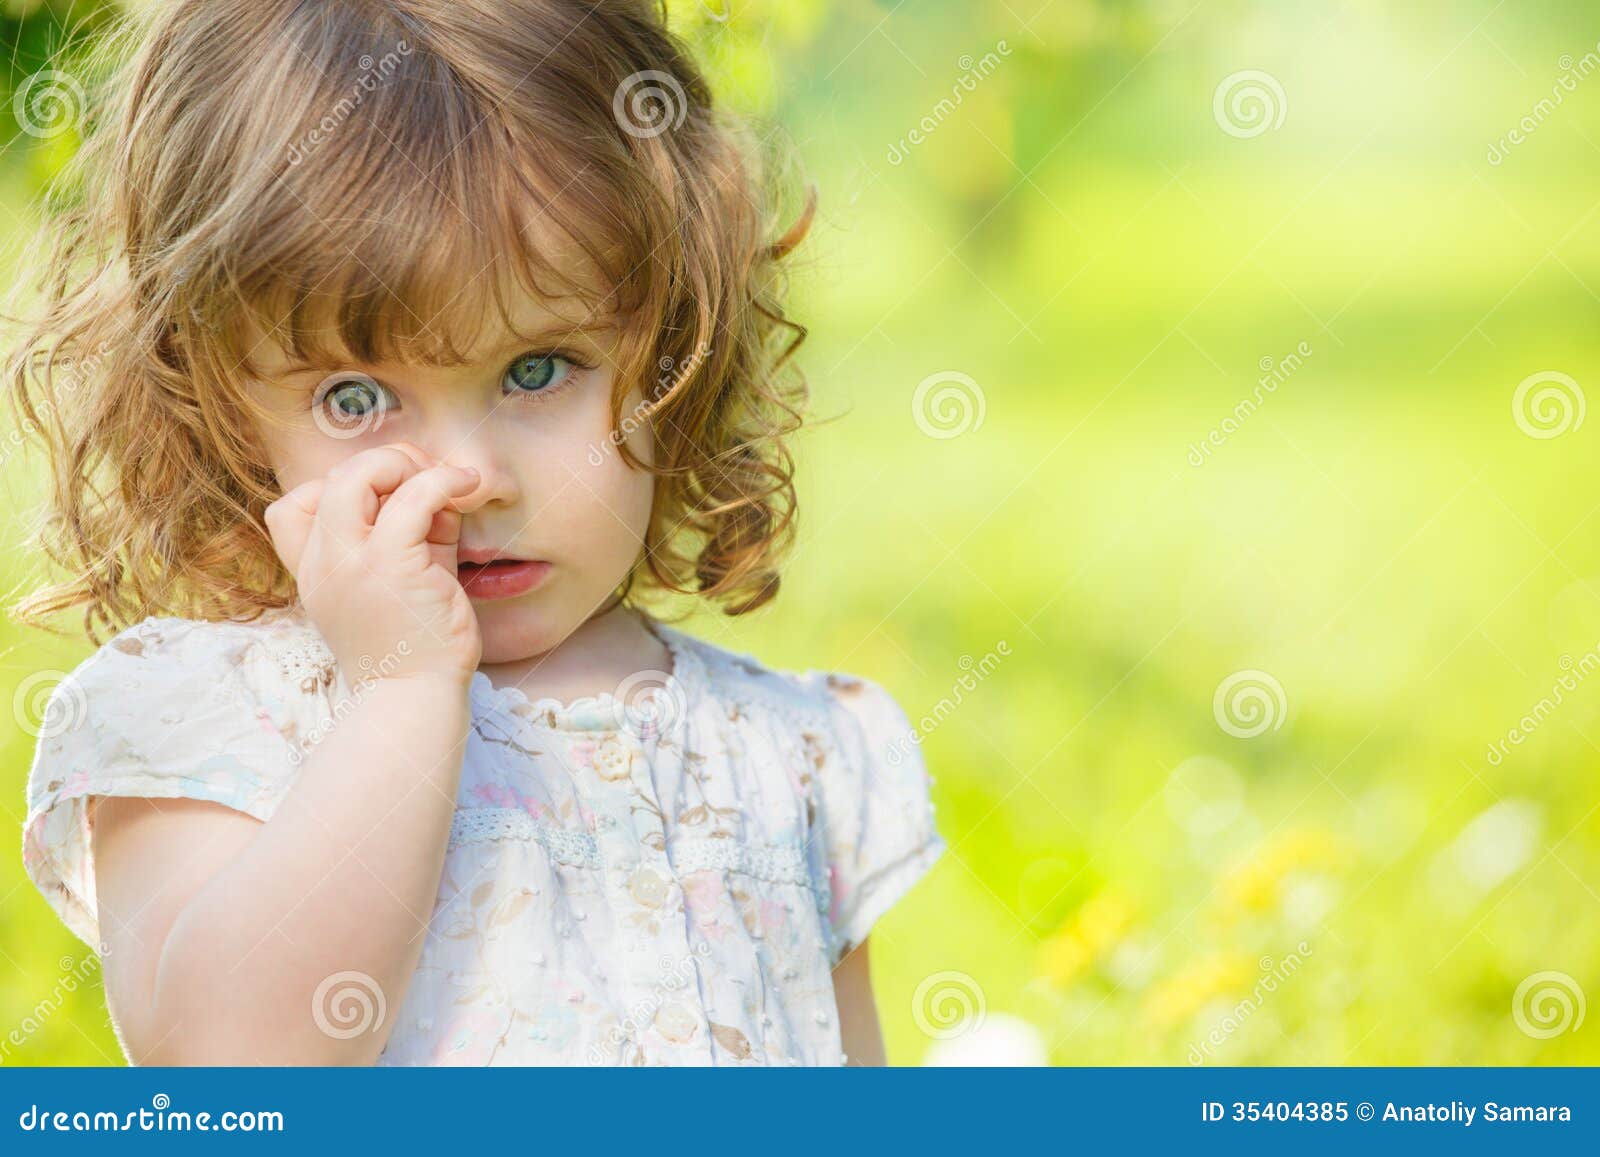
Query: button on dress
(664, 875)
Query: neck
(607, 646)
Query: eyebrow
(548, 336)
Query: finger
(290, 520)
(416, 453)
(408, 517)
(349, 507)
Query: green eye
(538, 373)
(351, 402)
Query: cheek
(633, 488)
(298, 455)
(573, 473)
(628, 492)
(313, 457)
(602, 474)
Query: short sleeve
(168, 708)
(875, 834)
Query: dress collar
(645, 702)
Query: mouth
(464, 563)
(499, 577)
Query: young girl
(402, 347)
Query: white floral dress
(663, 879)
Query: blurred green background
(1212, 670)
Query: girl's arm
(218, 929)
(858, 1012)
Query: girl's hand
(372, 548)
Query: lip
(500, 579)
(479, 557)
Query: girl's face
(533, 418)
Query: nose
(478, 449)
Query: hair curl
(332, 170)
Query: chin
(514, 629)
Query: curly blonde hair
(346, 174)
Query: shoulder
(163, 656)
(859, 765)
(208, 710)
(815, 695)
(181, 696)
(858, 714)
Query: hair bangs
(412, 234)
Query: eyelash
(535, 397)
(579, 367)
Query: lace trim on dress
(307, 663)
(647, 701)
(777, 863)
(780, 864)
(476, 825)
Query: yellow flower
(1084, 937)
(1175, 1000)
(1256, 884)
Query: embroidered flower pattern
(674, 895)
